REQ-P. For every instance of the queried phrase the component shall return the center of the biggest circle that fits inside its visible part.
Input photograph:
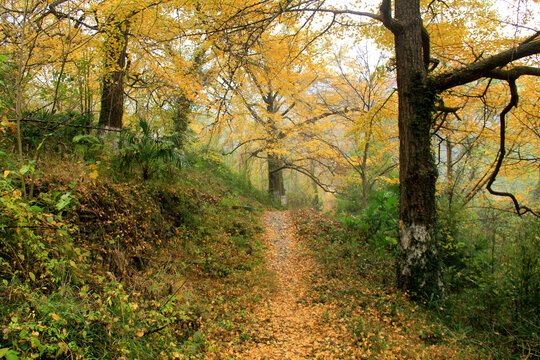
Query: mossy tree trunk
(419, 269)
(276, 165)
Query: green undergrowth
(355, 280)
(96, 267)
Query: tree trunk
(112, 96)
(316, 202)
(449, 173)
(276, 187)
(418, 264)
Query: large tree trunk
(418, 264)
(276, 187)
(112, 96)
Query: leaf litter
(288, 325)
(316, 314)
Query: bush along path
(327, 306)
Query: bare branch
(514, 98)
(484, 68)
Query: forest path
(288, 325)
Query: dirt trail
(287, 326)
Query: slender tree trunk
(449, 173)
(537, 189)
(19, 85)
(316, 201)
(112, 96)
(363, 176)
(418, 264)
(276, 186)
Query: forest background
(415, 123)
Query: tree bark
(112, 96)
(418, 264)
(276, 186)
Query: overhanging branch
(487, 68)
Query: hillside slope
(93, 268)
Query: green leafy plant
(88, 145)
(56, 128)
(146, 149)
(378, 220)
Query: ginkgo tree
(367, 146)
(274, 108)
(450, 59)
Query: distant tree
(115, 68)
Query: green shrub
(379, 219)
(147, 150)
(89, 146)
(212, 163)
(55, 130)
(493, 274)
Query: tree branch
(390, 23)
(69, 125)
(339, 12)
(239, 145)
(514, 98)
(485, 68)
(309, 174)
(329, 113)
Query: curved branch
(386, 17)
(514, 98)
(513, 73)
(426, 50)
(338, 12)
(309, 174)
(239, 145)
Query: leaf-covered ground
(177, 271)
(288, 325)
(323, 307)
